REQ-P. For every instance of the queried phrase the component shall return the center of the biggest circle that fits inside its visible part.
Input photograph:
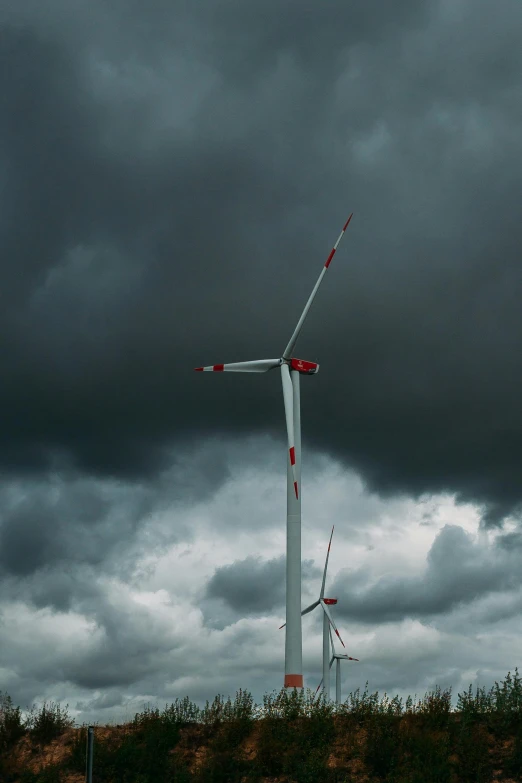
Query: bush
(473, 707)
(52, 774)
(425, 753)
(182, 712)
(78, 758)
(434, 709)
(382, 750)
(11, 724)
(474, 761)
(47, 723)
(296, 733)
(141, 756)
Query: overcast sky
(172, 178)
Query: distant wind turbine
(291, 368)
(337, 657)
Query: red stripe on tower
(293, 680)
(292, 456)
(218, 367)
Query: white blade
(310, 608)
(330, 618)
(331, 639)
(326, 564)
(305, 611)
(290, 347)
(288, 395)
(262, 365)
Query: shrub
(473, 707)
(382, 749)
(11, 724)
(435, 708)
(425, 753)
(472, 746)
(141, 755)
(47, 723)
(52, 774)
(182, 712)
(295, 737)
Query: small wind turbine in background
(338, 657)
(291, 370)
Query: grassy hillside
(290, 737)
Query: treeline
(289, 737)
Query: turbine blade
(333, 659)
(262, 365)
(316, 690)
(328, 614)
(288, 396)
(290, 347)
(326, 563)
(331, 638)
(305, 611)
(310, 608)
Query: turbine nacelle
(303, 367)
(330, 601)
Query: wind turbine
(337, 657)
(328, 621)
(291, 368)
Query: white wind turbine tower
(337, 657)
(291, 369)
(328, 621)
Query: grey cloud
(458, 573)
(72, 521)
(248, 587)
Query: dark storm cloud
(459, 572)
(172, 179)
(66, 523)
(247, 587)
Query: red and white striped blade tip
(334, 248)
(339, 635)
(282, 626)
(210, 368)
(346, 224)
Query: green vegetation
(289, 737)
